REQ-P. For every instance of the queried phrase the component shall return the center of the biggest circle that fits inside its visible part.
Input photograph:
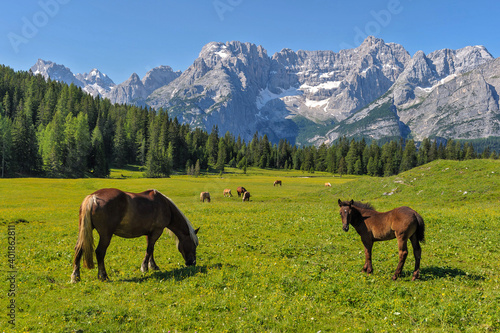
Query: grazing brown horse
(204, 196)
(246, 196)
(402, 223)
(227, 193)
(277, 182)
(129, 215)
(328, 185)
(240, 190)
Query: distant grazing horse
(277, 182)
(227, 193)
(240, 190)
(129, 215)
(204, 196)
(246, 196)
(328, 185)
(402, 223)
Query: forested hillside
(51, 129)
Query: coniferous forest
(52, 129)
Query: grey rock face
(376, 90)
(221, 88)
(237, 86)
(131, 91)
(136, 91)
(425, 72)
(463, 107)
(95, 82)
(56, 72)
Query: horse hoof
(394, 278)
(75, 279)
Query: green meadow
(279, 263)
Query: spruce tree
(98, 161)
(197, 168)
(5, 143)
(409, 159)
(221, 156)
(25, 157)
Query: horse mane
(364, 205)
(359, 204)
(192, 233)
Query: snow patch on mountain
(266, 95)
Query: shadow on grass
(177, 274)
(434, 272)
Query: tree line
(52, 129)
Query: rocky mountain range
(377, 90)
(132, 91)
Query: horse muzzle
(345, 227)
(191, 263)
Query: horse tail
(85, 241)
(420, 228)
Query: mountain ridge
(375, 90)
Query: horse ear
(340, 203)
(351, 202)
(196, 231)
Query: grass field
(279, 263)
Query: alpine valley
(375, 91)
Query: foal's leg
(417, 252)
(149, 260)
(100, 253)
(75, 276)
(368, 268)
(403, 253)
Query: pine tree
(221, 156)
(372, 167)
(469, 152)
(352, 157)
(83, 144)
(141, 145)
(450, 150)
(120, 145)
(169, 161)
(212, 146)
(52, 147)
(433, 151)
(358, 167)
(264, 152)
(409, 160)
(5, 143)
(25, 157)
(197, 168)
(342, 168)
(423, 152)
(154, 156)
(98, 162)
(7, 108)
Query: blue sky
(120, 37)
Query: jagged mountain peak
(55, 71)
(218, 52)
(159, 77)
(134, 78)
(238, 87)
